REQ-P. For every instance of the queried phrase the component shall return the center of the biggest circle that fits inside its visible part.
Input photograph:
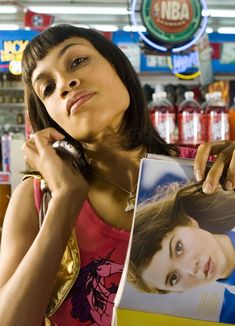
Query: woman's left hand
(224, 164)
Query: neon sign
(185, 66)
(175, 25)
(12, 52)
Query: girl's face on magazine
(189, 257)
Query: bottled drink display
(162, 114)
(5, 144)
(191, 121)
(217, 118)
(232, 121)
(204, 105)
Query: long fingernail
(207, 188)
(198, 175)
(228, 185)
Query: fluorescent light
(9, 27)
(132, 28)
(219, 13)
(79, 10)
(209, 30)
(105, 28)
(99, 27)
(8, 9)
(78, 25)
(226, 30)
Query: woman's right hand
(41, 156)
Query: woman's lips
(209, 267)
(79, 102)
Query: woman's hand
(224, 165)
(58, 174)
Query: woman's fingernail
(207, 188)
(198, 175)
(228, 185)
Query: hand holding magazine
(181, 256)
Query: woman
(80, 87)
(185, 240)
(189, 232)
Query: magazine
(174, 256)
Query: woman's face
(189, 257)
(81, 90)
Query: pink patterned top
(102, 249)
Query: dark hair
(155, 218)
(153, 221)
(136, 128)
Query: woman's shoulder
(21, 209)
(20, 227)
(230, 288)
(24, 192)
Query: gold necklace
(131, 194)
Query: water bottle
(232, 121)
(5, 140)
(217, 118)
(162, 114)
(191, 121)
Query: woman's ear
(193, 222)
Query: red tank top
(102, 250)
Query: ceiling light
(8, 9)
(79, 10)
(209, 30)
(226, 30)
(132, 28)
(105, 28)
(9, 27)
(219, 13)
(78, 25)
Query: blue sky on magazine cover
(155, 173)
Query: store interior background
(110, 17)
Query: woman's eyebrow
(66, 47)
(39, 77)
(170, 247)
(167, 280)
(170, 255)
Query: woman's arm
(30, 258)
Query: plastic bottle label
(165, 124)
(232, 124)
(218, 126)
(5, 140)
(189, 128)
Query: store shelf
(11, 89)
(11, 105)
(165, 78)
(16, 125)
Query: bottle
(162, 114)
(20, 118)
(5, 142)
(217, 118)
(208, 97)
(232, 121)
(1, 97)
(191, 121)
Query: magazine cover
(181, 257)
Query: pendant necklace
(131, 194)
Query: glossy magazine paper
(211, 301)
